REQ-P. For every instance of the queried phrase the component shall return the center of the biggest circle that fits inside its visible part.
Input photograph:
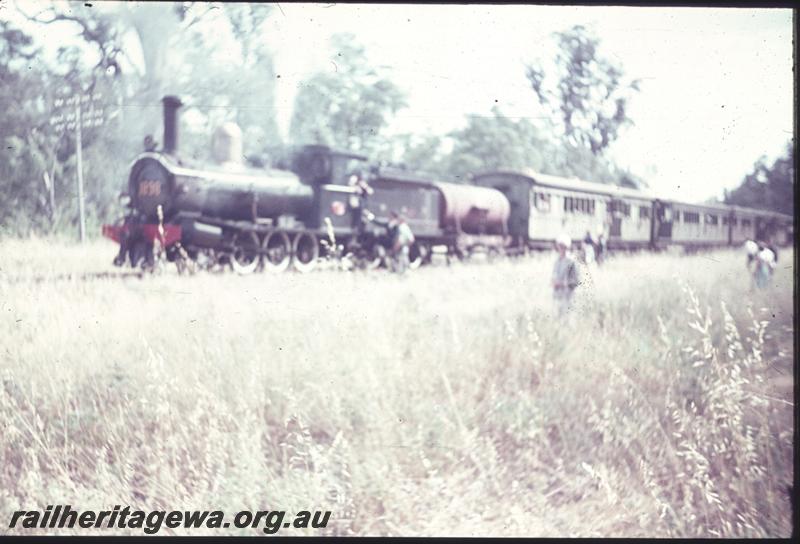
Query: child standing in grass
(565, 275)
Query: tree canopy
(131, 54)
(585, 93)
(768, 187)
(347, 106)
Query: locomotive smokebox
(171, 106)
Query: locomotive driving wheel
(245, 256)
(277, 251)
(305, 251)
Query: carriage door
(663, 217)
(761, 228)
(615, 219)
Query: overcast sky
(716, 88)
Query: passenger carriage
(700, 225)
(544, 206)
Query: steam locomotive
(326, 201)
(226, 212)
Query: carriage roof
(575, 184)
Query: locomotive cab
(319, 164)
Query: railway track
(80, 276)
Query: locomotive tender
(225, 212)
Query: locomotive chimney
(171, 105)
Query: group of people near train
(594, 248)
(762, 258)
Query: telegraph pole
(79, 164)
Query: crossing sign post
(87, 113)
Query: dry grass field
(446, 402)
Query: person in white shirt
(752, 250)
(765, 264)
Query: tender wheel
(418, 254)
(277, 251)
(245, 258)
(305, 252)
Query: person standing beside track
(765, 264)
(565, 276)
(402, 239)
(601, 250)
(589, 249)
(752, 249)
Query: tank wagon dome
(226, 145)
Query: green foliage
(768, 187)
(582, 163)
(175, 42)
(15, 46)
(497, 141)
(587, 96)
(416, 152)
(347, 107)
(590, 95)
(26, 148)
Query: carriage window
(745, 223)
(542, 202)
(644, 212)
(734, 221)
(625, 208)
(711, 219)
(677, 216)
(691, 217)
(579, 205)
